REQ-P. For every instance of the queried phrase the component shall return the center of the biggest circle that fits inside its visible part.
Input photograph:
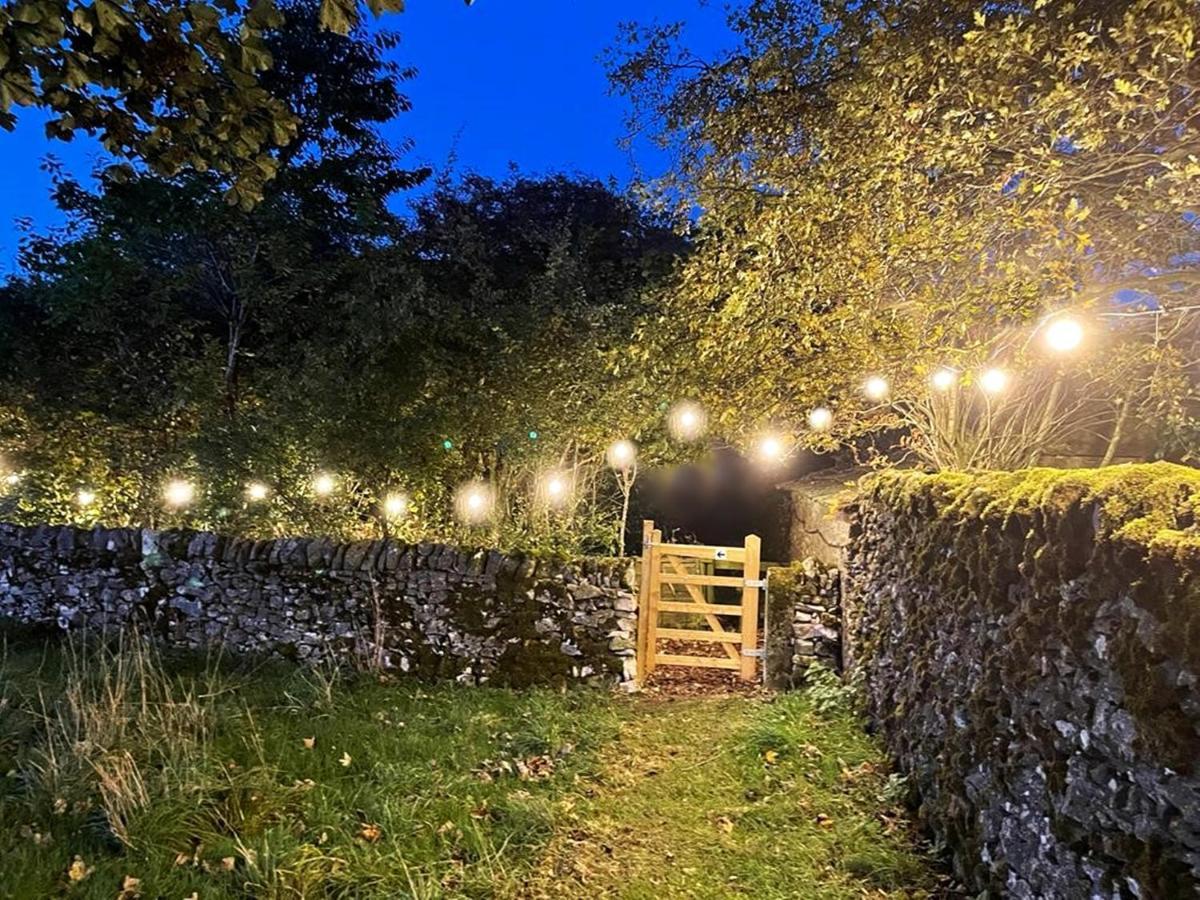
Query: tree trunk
(1114, 440)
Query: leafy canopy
(170, 84)
(889, 187)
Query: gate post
(751, 574)
(644, 663)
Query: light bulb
(686, 421)
(323, 485)
(876, 387)
(85, 497)
(1063, 334)
(179, 492)
(943, 379)
(473, 502)
(257, 491)
(993, 381)
(770, 448)
(820, 419)
(395, 506)
(621, 455)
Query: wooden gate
(680, 581)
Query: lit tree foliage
(894, 186)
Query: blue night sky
(500, 82)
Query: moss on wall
(1032, 647)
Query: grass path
(734, 797)
(122, 775)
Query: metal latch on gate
(749, 651)
(756, 583)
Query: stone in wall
(1031, 646)
(803, 621)
(430, 609)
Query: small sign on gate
(721, 553)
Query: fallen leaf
(345, 760)
(725, 824)
(771, 757)
(370, 832)
(227, 863)
(182, 859)
(78, 869)
(824, 821)
(131, 888)
(309, 743)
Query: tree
(173, 85)
(894, 187)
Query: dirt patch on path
(696, 681)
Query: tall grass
(117, 733)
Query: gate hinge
(751, 652)
(756, 583)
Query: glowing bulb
(474, 502)
(820, 419)
(876, 387)
(257, 491)
(770, 448)
(621, 455)
(1063, 334)
(323, 485)
(85, 497)
(179, 492)
(943, 379)
(395, 505)
(554, 488)
(993, 381)
(686, 421)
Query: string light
(820, 419)
(323, 485)
(876, 387)
(943, 379)
(687, 421)
(179, 492)
(256, 491)
(770, 448)
(473, 502)
(621, 455)
(993, 381)
(395, 506)
(85, 497)
(553, 488)
(1063, 334)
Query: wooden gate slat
(720, 609)
(694, 634)
(704, 580)
(703, 662)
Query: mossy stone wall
(431, 609)
(1031, 646)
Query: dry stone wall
(1031, 645)
(434, 610)
(803, 621)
